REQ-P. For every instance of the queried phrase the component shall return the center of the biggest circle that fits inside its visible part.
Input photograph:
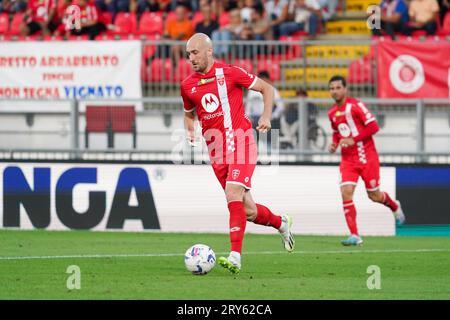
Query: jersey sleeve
(242, 78)
(188, 106)
(335, 135)
(363, 114)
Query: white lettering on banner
(407, 74)
(67, 70)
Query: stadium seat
(148, 50)
(105, 17)
(151, 23)
(83, 37)
(107, 37)
(290, 51)
(123, 120)
(360, 71)
(273, 67)
(4, 23)
(224, 19)
(245, 64)
(183, 70)
(170, 16)
(53, 38)
(125, 23)
(160, 70)
(98, 120)
(15, 24)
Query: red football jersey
(349, 120)
(217, 98)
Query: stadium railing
(412, 131)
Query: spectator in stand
(208, 25)
(229, 32)
(277, 10)
(328, 9)
(190, 5)
(13, 6)
(305, 17)
(114, 6)
(394, 16)
(180, 28)
(40, 16)
(423, 15)
(64, 21)
(246, 7)
(88, 20)
(148, 5)
(260, 23)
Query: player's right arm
(189, 117)
(335, 143)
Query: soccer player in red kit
(215, 93)
(353, 129)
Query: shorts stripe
(347, 183)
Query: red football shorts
(239, 170)
(369, 172)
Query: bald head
(200, 52)
(199, 40)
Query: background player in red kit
(353, 127)
(215, 92)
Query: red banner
(413, 69)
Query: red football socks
(388, 202)
(238, 221)
(265, 217)
(350, 216)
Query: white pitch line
(144, 255)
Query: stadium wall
(176, 198)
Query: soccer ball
(199, 259)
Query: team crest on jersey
(205, 81)
(221, 80)
(210, 102)
(235, 174)
(344, 130)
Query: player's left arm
(247, 80)
(369, 128)
(267, 92)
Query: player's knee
(234, 195)
(250, 213)
(374, 196)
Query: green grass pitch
(118, 265)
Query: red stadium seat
(171, 16)
(123, 120)
(105, 17)
(107, 37)
(160, 70)
(273, 67)
(197, 18)
(53, 38)
(83, 37)
(149, 50)
(290, 51)
(151, 23)
(224, 19)
(183, 70)
(360, 71)
(15, 24)
(125, 23)
(98, 119)
(245, 64)
(4, 23)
